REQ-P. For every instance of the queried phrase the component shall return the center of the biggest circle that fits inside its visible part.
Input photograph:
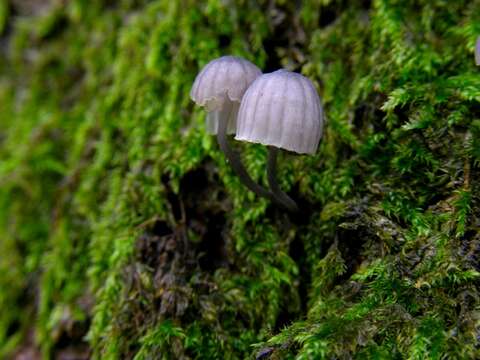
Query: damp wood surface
(124, 234)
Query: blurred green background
(124, 234)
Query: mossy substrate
(125, 234)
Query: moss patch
(124, 233)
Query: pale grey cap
(222, 79)
(281, 109)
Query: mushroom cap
(222, 78)
(281, 109)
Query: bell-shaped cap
(222, 79)
(477, 52)
(281, 109)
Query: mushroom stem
(279, 195)
(233, 157)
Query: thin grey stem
(280, 196)
(233, 157)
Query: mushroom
(281, 109)
(219, 87)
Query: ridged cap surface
(228, 76)
(281, 109)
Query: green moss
(125, 234)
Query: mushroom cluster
(281, 110)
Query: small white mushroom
(477, 52)
(220, 86)
(281, 110)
